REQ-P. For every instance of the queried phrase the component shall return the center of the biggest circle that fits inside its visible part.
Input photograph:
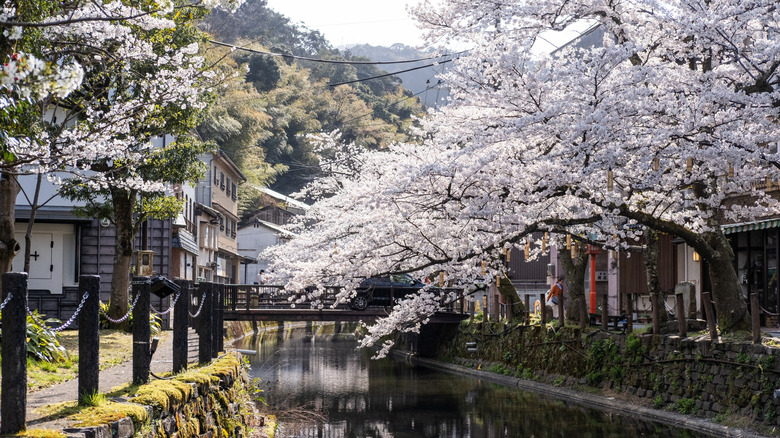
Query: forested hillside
(262, 116)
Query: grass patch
(42, 433)
(116, 347)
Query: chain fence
(127, 315)
(67, 323)
(5, 301)
(202, 300)
(173, 303)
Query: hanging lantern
(441, 279)
(498, 281)
(610, 180)
(568, 241)
(527, 249)
(731, 171)
(484, 267)
(656, 164)
(508, 254)
(689, 165)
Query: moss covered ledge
(213, 398)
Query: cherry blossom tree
(104, 79)
(668, 122)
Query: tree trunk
(650, 259)
(512, 301)
(9, 188)
(574, 270)
(730, 305)
(124, 203)
(30, 222)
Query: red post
(593, 251)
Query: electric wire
(391, 74)
(330, 61)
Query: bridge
(253, 302)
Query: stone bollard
(711, 321)
(180, 325)
(217, 337)
(142, 356)
(13, 403)
(527, 309)
(629, 315)
(682, 323)
(89, 337)
(755, 313)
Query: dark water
(384, 398)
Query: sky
(350, 22)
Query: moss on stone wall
(209, 398)
(686, 375)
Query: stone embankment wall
(693, 376)
(211, 401)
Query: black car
(384, 290)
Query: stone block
(169, 424)
(102, 431)
(123, 428)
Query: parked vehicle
(384, 290)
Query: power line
(393, 73)
(330, 61)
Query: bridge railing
(238, 297)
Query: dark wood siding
(97, 252)
(633, 277)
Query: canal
(315, 370)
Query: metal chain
(68, 322)
(173, 303)
(768, 312)
(202, 300)
(127, 315)
(5, 301)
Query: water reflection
(369, 398)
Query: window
(221, 180)
(233, 191)
(216, 180)
(228, 187)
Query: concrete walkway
(162, 362)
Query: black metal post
(181, 315)
(89, 336)
(543, 308)
(142, 356)
(206, 323)
(13, 403)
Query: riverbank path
(162, 361)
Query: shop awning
(750, 226)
